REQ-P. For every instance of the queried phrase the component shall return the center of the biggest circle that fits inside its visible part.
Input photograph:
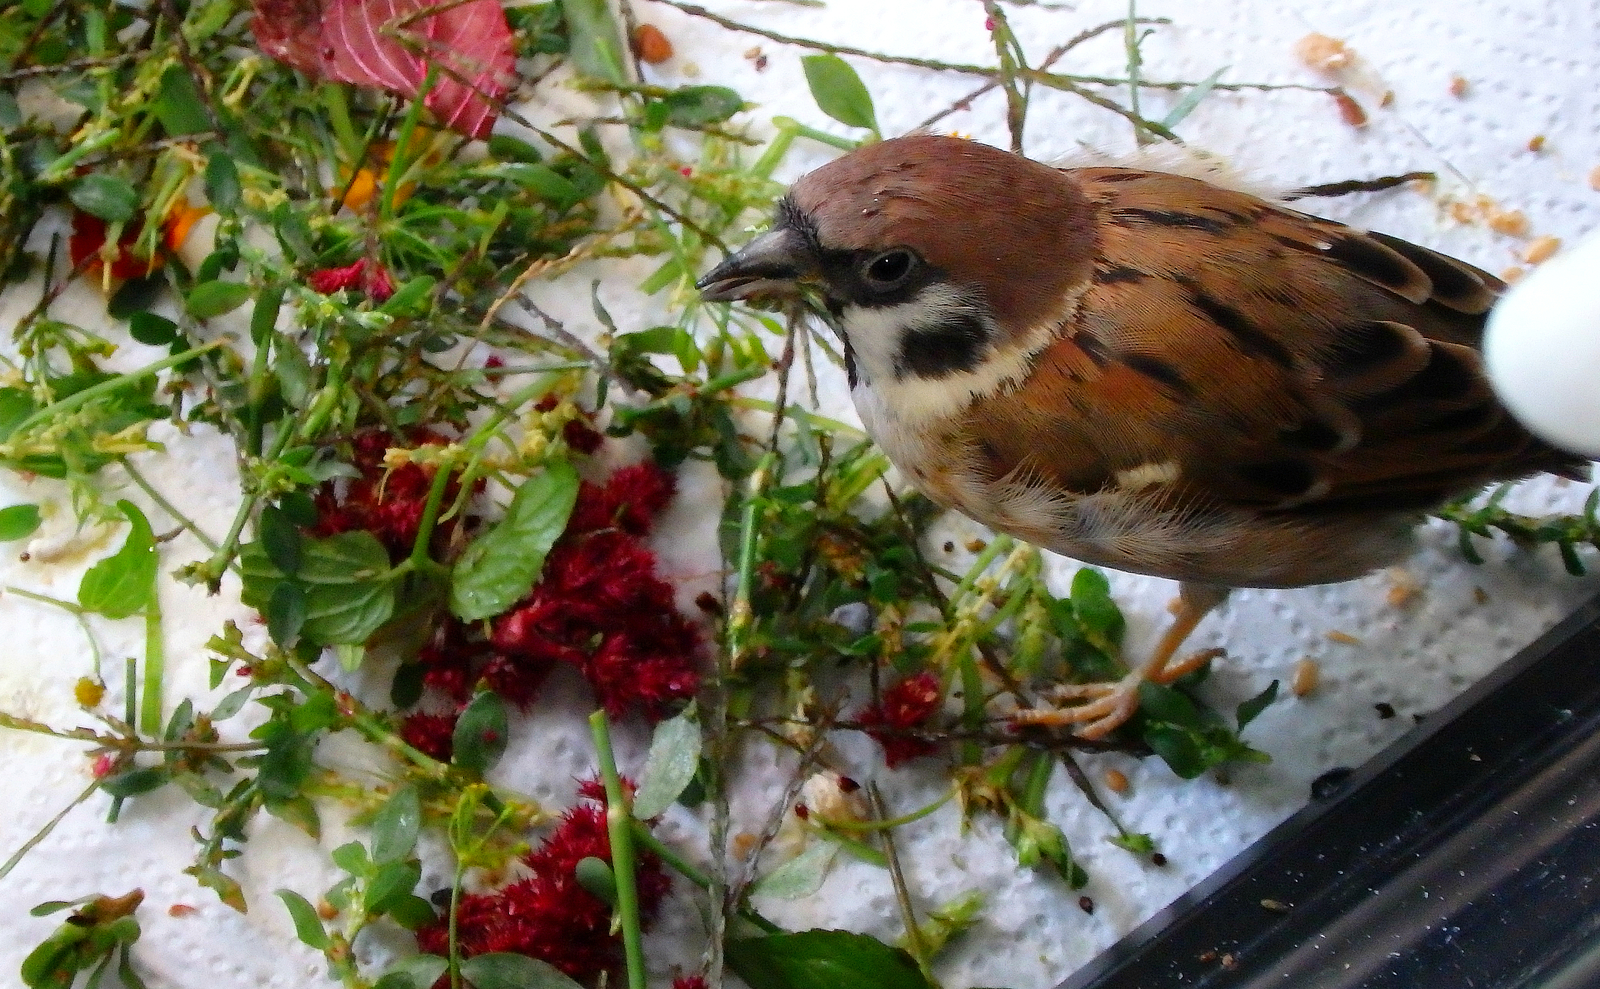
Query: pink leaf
(393, 43)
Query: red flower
(549, 915)
(630, 501)
(689, 982)
(430, 734)
(387, 503)
(89, 236)
(375, 282)
(904, 707)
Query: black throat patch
(957, 342)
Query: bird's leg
(1109, 704)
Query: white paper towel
(1531, 69)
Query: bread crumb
(1323, 53)
(1594, 179)
(743, 842)
(1307, 674)
(1458, 86)
(1403, 587)
(1480, 596)
(1387, 99)
(1512, 223)
(1512, 273)
(1116, 781)
(651, 45)
(1536, 143)
(1540, 249)
(1343, 638)
(1349, 110)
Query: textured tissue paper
(1532, 69)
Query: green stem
(618, 816)
(44, 832)
(154, 667)
(739, 615)
(77, 400)
(167, 506)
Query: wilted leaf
(385, 43)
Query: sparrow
(1144, 370)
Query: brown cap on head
(1021, 231)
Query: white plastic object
(1542, 349)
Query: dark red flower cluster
(387, 503)
(374, 280)
(88, 237)
(549, 915)
(904, 707)
(431, 734)
(579, 433)
(689, 982)
(601, 607)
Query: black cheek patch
(955, 344)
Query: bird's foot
(1107, 705)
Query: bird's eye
(889, 270)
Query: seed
(651, 45)
(1117, 781)
(1085, 904)
(976, 545)
(1323, 53)
(1343, 638)
(1594, 179)
(1306, 676)
(1156, 858)
(1512, 222)
(1276, 906)
(1349, 110)
(1536, 143)
(1458, 86)
(1540, 249)
(1512, 273)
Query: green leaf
(396, 825)
(178, 105)
(110, 197)
(135, 781)
(214, 298)
(125, 582)
(349, 592)
(153, 330)
(280, 538)
(504, 147)
(1191, 99)
(595, 40)
(503, 970)
(222, 183)
(500, 566)
(839, 92)
(413, 972)
(799, 877)
(696, 106)
(1249, 709)
(595, 876)
(674, 755)
(286, 613)
(391, 883)
(307, 925)
(1098, 613)
(822, 960)
(18, 522)
(480, 736)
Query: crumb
(1385, 710)
(1343, 638)
(1116, 781)
(757, 57)
(1540, 249)
(1307, 674)
(1536, 143)
(1458, 86)
(1387, 99)
(1229, 962)
(182, 910)
(651, 45)
(1276, 906)
(1480, 596)
(1325, 54)
(1085, 904)
(1207, 956)
(976, 545)
(690, 70)
(1474, 757)
(1349, 110)
(1512, 223)
(1174, 606)
(1403, 587)
(1594, 179)
(949, 547)
(742, 843)
(761, 63)
(1512, 273)
(1156, 858)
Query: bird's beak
(771, 265)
